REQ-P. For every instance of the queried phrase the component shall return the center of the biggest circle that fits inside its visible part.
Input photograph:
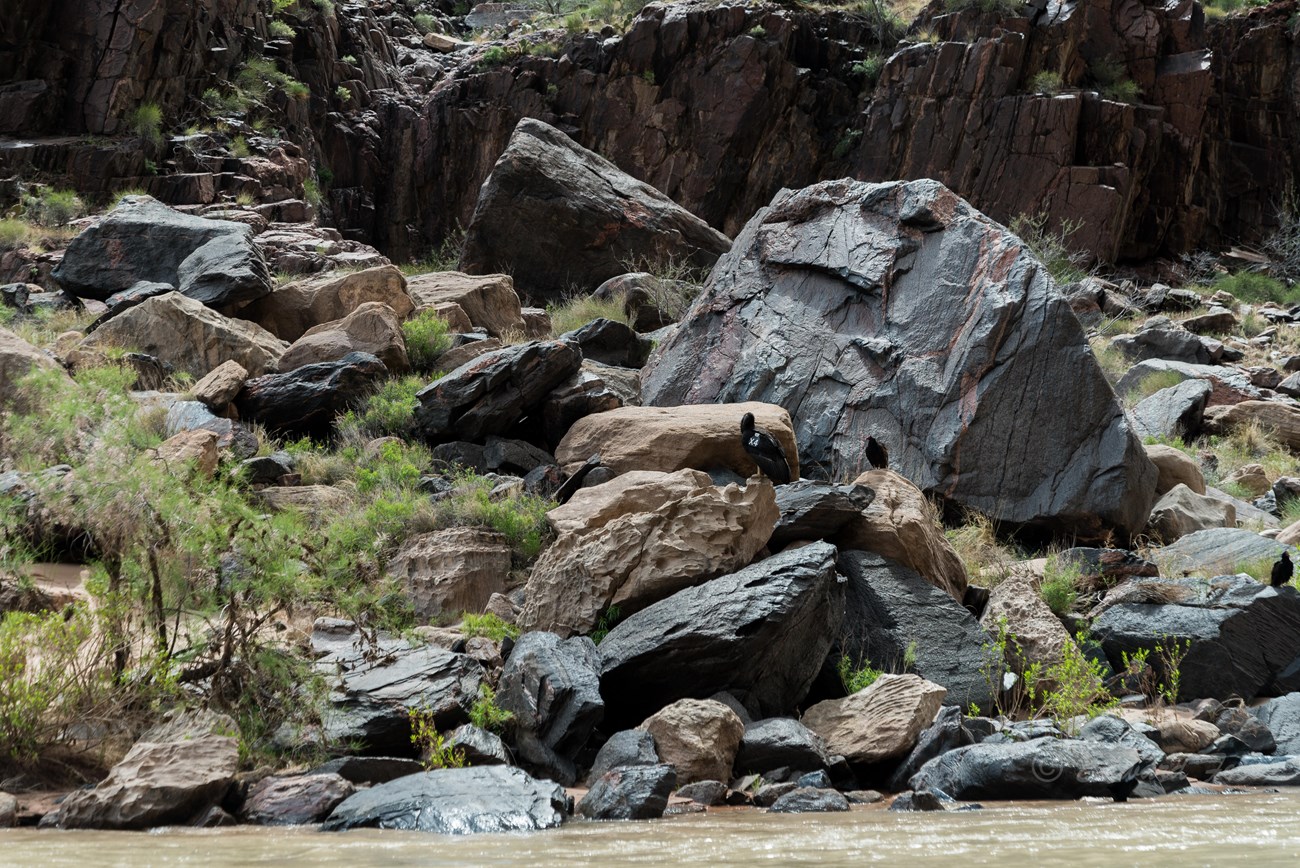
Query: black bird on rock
(765, 450)
(1282, 571)
(877, 454)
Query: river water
(1256, 829)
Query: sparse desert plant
(281, 30)
(14, 233)
(436, 751)
(607, 621)
(856, 678)
(521, 518)
(1060, 585)
(343, 94)
(145, 120)
(487, 715)
(869, 68)
(578, 310)
(1051, 245)
(427, 336)
(1046, 82)
(487, 625)
(51, 208)
(1253, 286)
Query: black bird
(1282, 571)
(765, 450)
(877, 454)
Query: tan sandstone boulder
(640, 538)
(1175, 467)
(489, 300)
(1281, 419)
(699, 436)
(196, 448)
(293, 309)
(189, 336)
(697, 737)
(371, 328)
(900, 525)
(1181, 511)
(220, 386)
(453, 571)
(878, 723)
(1252, 477)
(1040, 636)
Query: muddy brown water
(1261, 829)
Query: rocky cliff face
(718, 106)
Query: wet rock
(452, 571)
(637, 540)
(1109, 729)
(372, 328)
(812, 510)
(294, 800)
(369, 770)
(611, 343)
(489, 301)
(697, 737)
(1282, 717)
(1181, 511)
(779, 742)
(945, 734)
(456, 802)
(1284, 772)
(305, 401)
(767, 794)
(490, 394)
(557, 216)
(296, 307)
(808, 800)
(881, 722)
(552, 686)
(708, 793)
(891, 614)
(628, 747)
(704, 437)
(860, 361)
(482, 748)
(213, 262)
(1044, 768)
(1175, 411)
(761, 634)
(921, 800)
(188, 336)
(1242, 634)
(629, 793)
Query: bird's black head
(747, 423)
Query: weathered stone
(552, 686)
(458, 322)
(481, 748)
(812, 510)
(1284, 772)
(761, 634)
(465, 353)
(17, 359)
(628, 747)
(1158, 339)
(1239, 723)
(1241, 635)
(294, 800)
(8, 811)
(629, 793)
(697, 737)
(489, 301)
(195, 450)
(312, 500)
(1282, 717)
(452, 571)
(372, 328)
(640, 538)
(779, 742)
(220, 386)
(899, 524)
(596, 218)
(611, 343)
(369, 770)
(1175, 467)
(294, 308)
(491, 393)
(1251, 477)
(306, 401)
(851, 332)
(1215, 321)
(892, 614)
(1109, 729)
(585, 393)
(806, 800)
(945, 734)
(879, 723)
(1219, 550)
(514, 456)
(1283, 420)
(1175, 411)
(213, 262)
(189, 336)
(707, 793)
(1040, 637)
(1181, 511)
(702, 437)
(456, 802)
(1228, 385)
(1045, 768)
(193, 416)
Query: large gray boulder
(1244, 636)
(557, 216)
(629, 793)
(1282, 717)
(552, 686)
(1219, 550)
(1044, 768)
(1175, 411)
(463, 801)
(214, 262)
(761, 634)
(780, 742)
(306, 401)
(892, 615)
(899, 311)
(1159, 339)
(1228, 384)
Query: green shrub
(520, 517)
(1079, 687)
(846, 143)
(281, 30)
(1060, 584)
(1047, 83)
(1051, 246)
(50, 207)
(431, 743)
(487, 625)
(14, 233)
(487, 715)
(297, 90)
(343, 94)
(607, 621)
(145, 120)
(427, 336)
(1251, 286)
(496, 55)
(425, 23)
(239, 147)
(856, 678)
(870, 68)
(1111, 78)
(1122, 91)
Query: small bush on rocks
(1060, 585)
(487, 715)
(427, 337)
(857, 678)
(487, 625)
(431, 744)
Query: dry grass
(976, 542)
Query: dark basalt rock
(708, 793)
(945, 734)
(211, 261)
(456, 802)
(193, 415)
(369, 769)
(1282, 717)
(557, 216)
(629, 793)
(921, 800)
(1044, 768)
(1107, 566)
(294, 800)
(611, 343)
(898, 311)
(807, 800)
(628, 747)
(760, 634)
(128, 298)
(779, 742)
(1280, 772)
(812, 510)
(306, 400)
(482, 748)
(1173, 412)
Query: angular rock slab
(489, 301)
(899, 311)
(214, 262)
(1217, 551)
(780, 742)
(1044, 768)
(454, 570)
(878, 723)
(761, 634)
(889, 609)
(552, 686)
(1282, 716)
(462, 801)
(629, 793)
(491, 393)
(294, 800)
(1175, 411)
(372, 328)
(557, 216)
(697, 737)
(1245, 637)
(306, 401)
(294, 308)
